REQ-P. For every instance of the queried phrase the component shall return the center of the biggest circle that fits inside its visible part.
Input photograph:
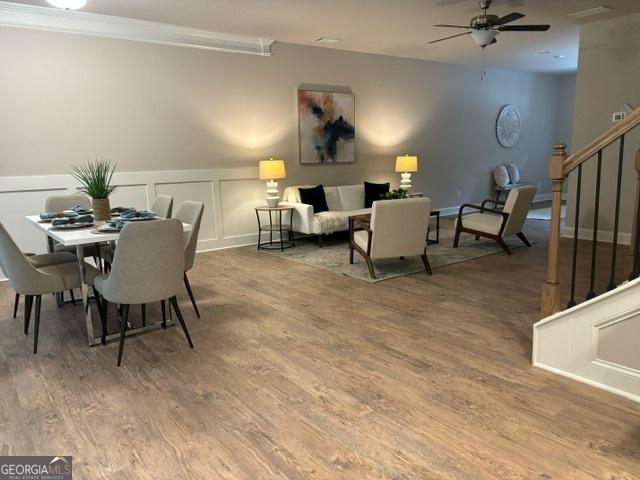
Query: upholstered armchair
(497, 224)
(397, 228)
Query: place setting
(71, 219)
(120, 216)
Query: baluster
(551, 291)
(634, 247)
(596, 215)
(576, 228)
(616, 222)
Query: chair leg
(427, 266)
(143, 313)
(36, 328)
(456, 239)
(504, 246)
(28, 304)
(123, 331)
(350, 253)
(73, 298)
(372, 272)
(193, 300)
(102, 311)
(15, 305)
(477, 237)
(321, 240)
(163, 306)
(524, 239)
(174, 304)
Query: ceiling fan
(485, 28)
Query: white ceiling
(391, 27)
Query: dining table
(81, 238)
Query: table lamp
(405, 164)
(271, 170)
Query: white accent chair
(398, 228)
(497, 224)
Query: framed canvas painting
(327, 130)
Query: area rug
(334, 256)
(545, 213)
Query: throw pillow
(501, 176)
(373, 192)
(315, 197)
(514, 172)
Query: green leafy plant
(395, 194)
(95, 178)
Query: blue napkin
(80, 210)
(116, 224)
(122, 210)
(67, 221)
(138, 214)
(52, 215)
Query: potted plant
(395, 194)
(95, 178)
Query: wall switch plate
(618, 116)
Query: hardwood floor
(299, 373)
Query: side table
(275, 225)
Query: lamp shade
(406, 163)
(272, 169)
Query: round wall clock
(508, 126)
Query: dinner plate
(140, 219)
(106, 229)
(72, 226)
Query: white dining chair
(191, 212)
(163, 205)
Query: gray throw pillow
(501, 176)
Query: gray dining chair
(45, 260)
(190, 212)
(163, 205)
(33, 282)
(147, 267)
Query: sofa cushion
(315, 197)
(333, 198)
(483, 222)
(373, 192)
(328, 222)
(351, 197)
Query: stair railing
(560, 166)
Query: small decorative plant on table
(95, 178)
(395, 194)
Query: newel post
(551, 291)
(633, 256)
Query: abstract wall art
(327, 127)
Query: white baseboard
(605, 236)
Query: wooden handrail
(630, 122)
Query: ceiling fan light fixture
(68, 4)
(483, 37)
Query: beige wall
(68, 98)
(608, 73)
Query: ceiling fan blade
(524, 28)
(449, 37)
(512, 17)
(452, 26)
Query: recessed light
(590, 12)
(559, 57)
(326, 40)
(68, 4)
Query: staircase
(596, 341)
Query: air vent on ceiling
(590, 12)
(326, 40)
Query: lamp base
(405, 183)
(273, 197)
(272, 202)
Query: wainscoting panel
(239, 197)
(229, 196)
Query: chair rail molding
(85, 23)
(229, 196)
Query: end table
(275, 225)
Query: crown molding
(85, 23)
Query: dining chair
(190, 212)
(147, 267)
(162, 205)
(45, 260)
(397, 228)
(33, 282)
(497, 224)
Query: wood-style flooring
(298, 373)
